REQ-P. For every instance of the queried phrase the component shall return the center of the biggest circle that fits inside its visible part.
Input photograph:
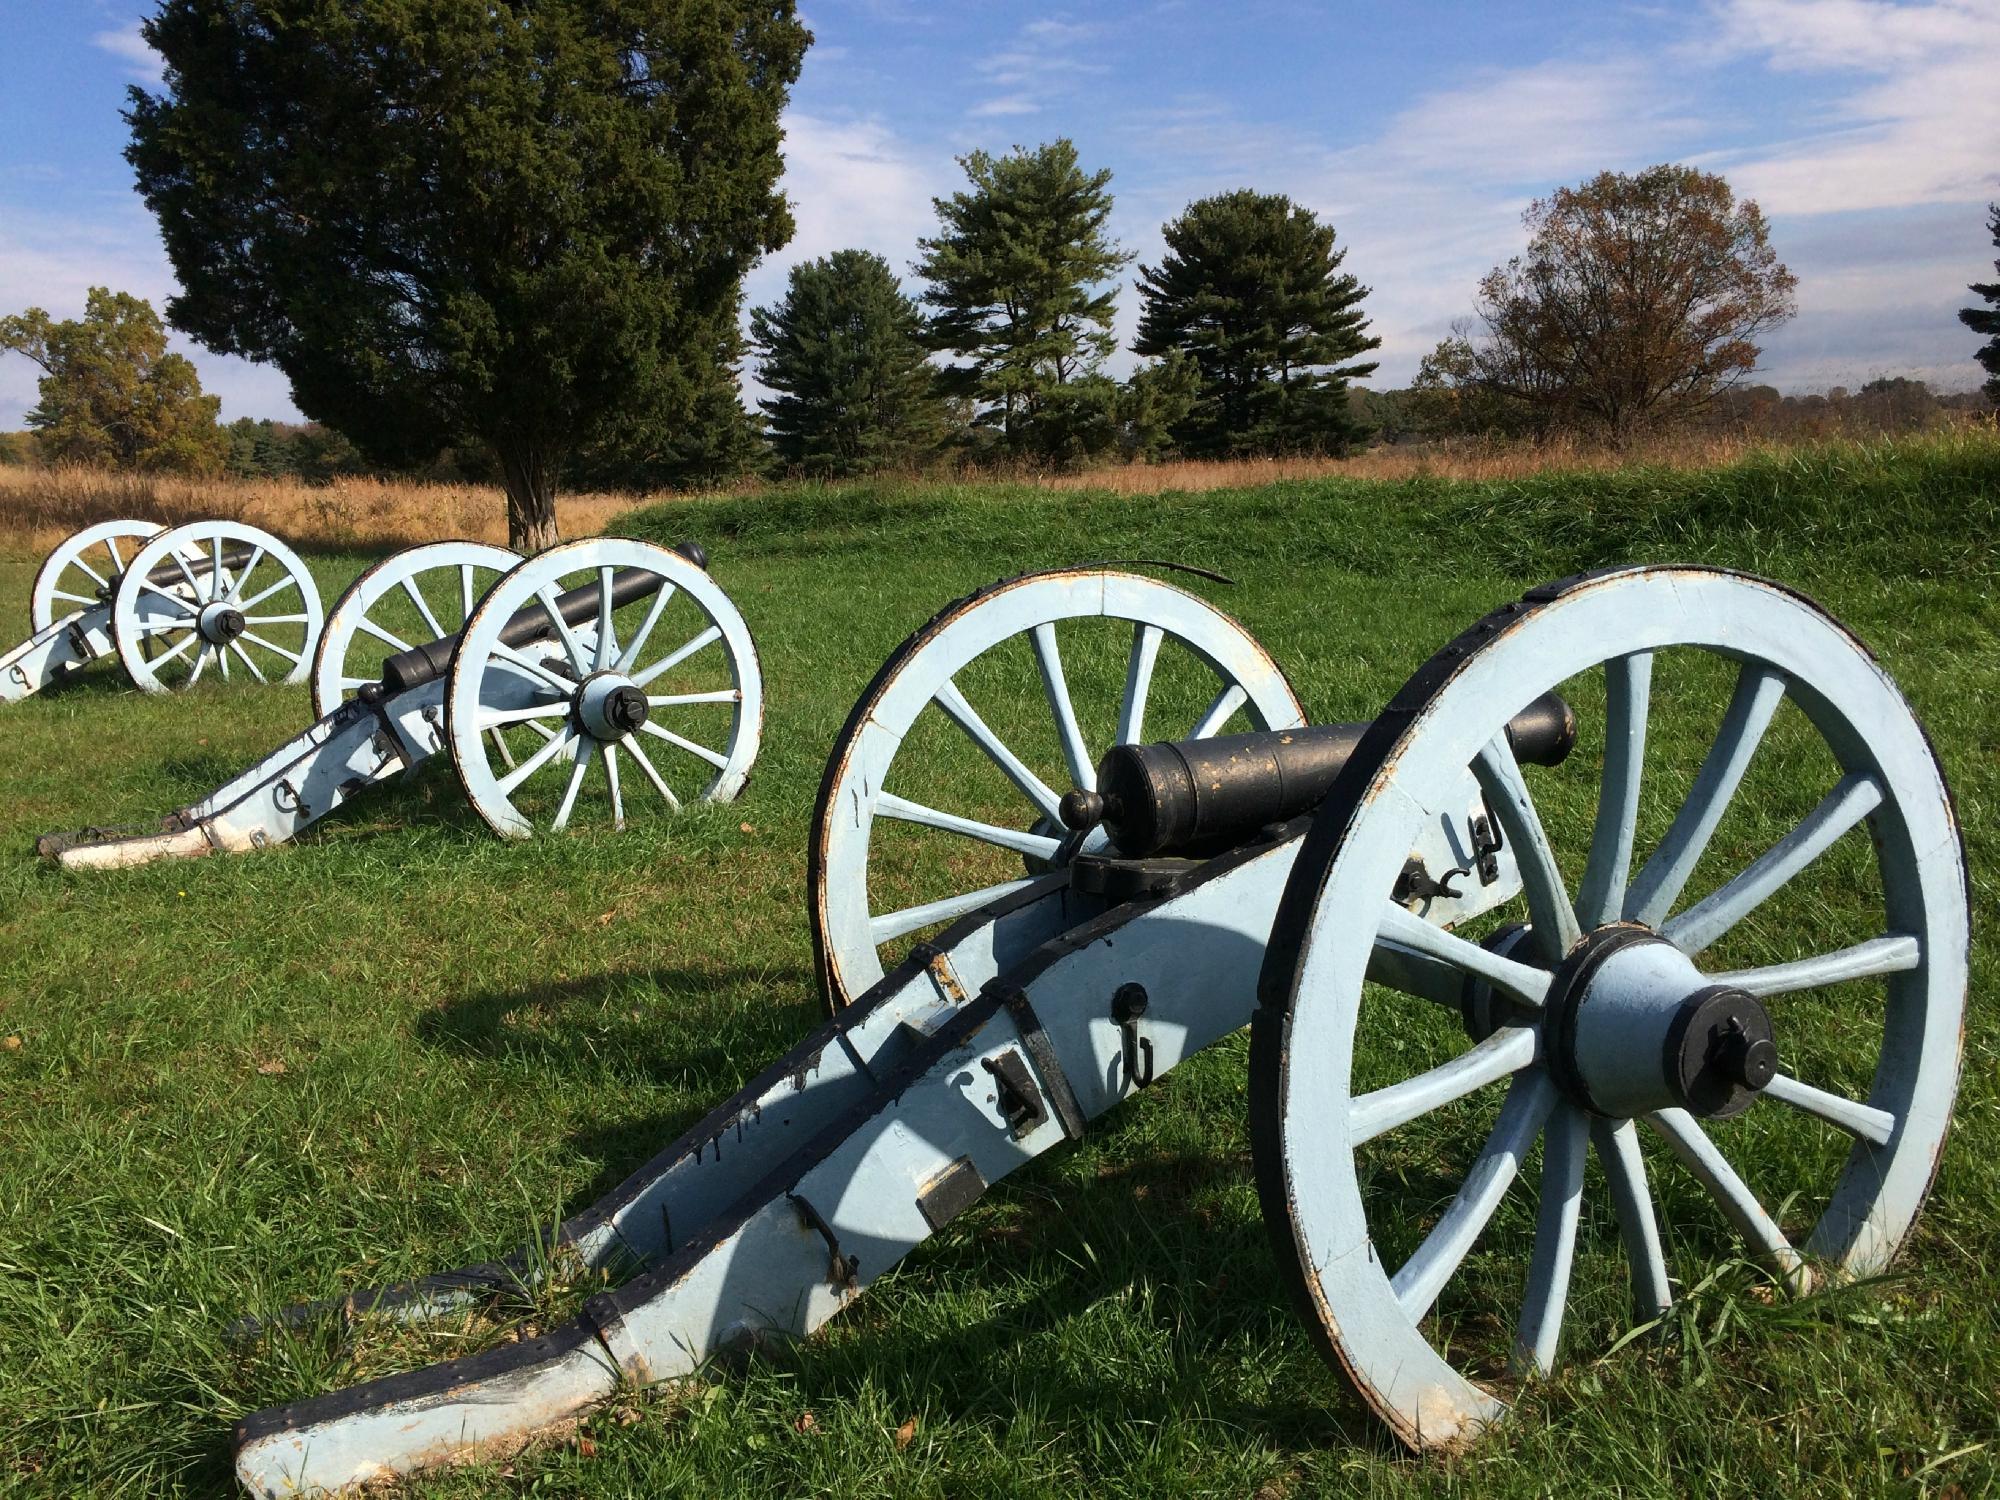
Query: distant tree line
(522, 259)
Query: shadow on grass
(1164, 1241)
(702, 1032)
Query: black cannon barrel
(430, 661)
(1195, 794)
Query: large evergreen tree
(1251, 289)
(516, 223)
(111, 393)
(1986, 319)
(1014, 274)
(845, 351)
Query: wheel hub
(609, 706)
(221, 623)
(1631, 1025)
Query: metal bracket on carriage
(391, 724)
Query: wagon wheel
(1616, 1000)
(1167, 664)
(83, 569)
(210, 593)
(407, 599)
(639, 708)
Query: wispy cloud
(1006, 104)
(129, 47)
(1921, 123)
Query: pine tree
(513, 226)
(845, 350)
(1986, 320)
(1013, 274)
(1251, 289)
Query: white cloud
(1006, 104)
(1921, 125)
(129, 47)
(53, 260)
(853, 184)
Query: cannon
(184, 600)
(550, 668)
(1478, 921)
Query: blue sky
(1868, 129)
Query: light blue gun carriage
(1328, 887)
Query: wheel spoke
(277, 619)
(607, 647)
(611, 779)
(1625, 1173)
(1530, 1097)
(1232, 697)
(284, 651)
(1883, 955)
(1759, 691)
(1048, 658)
(720, 695)
(638, 642)
(1538, 1336)
(193, 583)
(222, 661)
(1549, 908)
(174, 599)
(1412, 973)
(1732, 1195)
(1706, 921)
(117, 557)
(193, 639)
(200, 661)
(1031, 786)
(465, 600)
(242, 578)
(585, 754)
(83, 599)
(217, 578)
(572, 647)
(1507, 1051)
(256, 599)
(96, 577)
(534, 668)
(1628, 688)
(888, 805)
(1138, 682)
(550, 748)
(651, 774)
(679, 655)
(1524, 982)
(387, 637)
(438, 632)
(1863, 1121)
(496, 717)
(894, 924)
(720, 762)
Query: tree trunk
(531, 498)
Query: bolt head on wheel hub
(221, 623)
(609, 707)
(1631, 1025)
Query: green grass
(398, 1045)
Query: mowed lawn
(400, 1044)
